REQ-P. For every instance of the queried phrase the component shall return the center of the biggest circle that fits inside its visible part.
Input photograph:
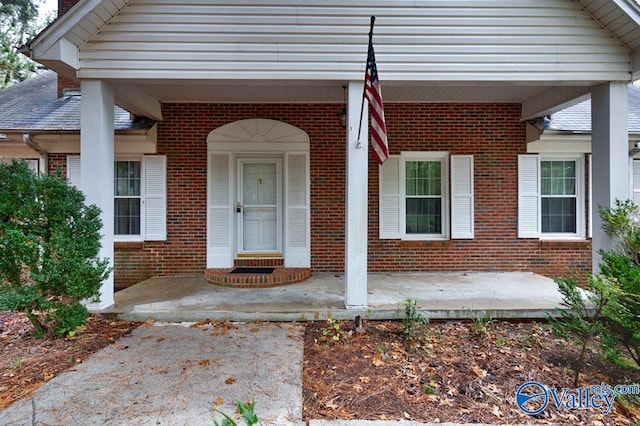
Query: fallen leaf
(230, 381)
(219, 401)
(205, 363)
(149, 322)
(254, 329)
(479, 372)
(495, 410)
(365, 379)
(377, 360)
(331, 404)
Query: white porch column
(610, 155)
(355, 261)
(96, 167)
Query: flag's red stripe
(373, 94)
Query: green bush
(622, 263)
(49, 245)
(581, 318)
(613, 295)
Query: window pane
(423, 178)
(558, 177)
(424, 216)
(127, 179)
(559, 215)
(127, 216)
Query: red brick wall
(492, 133)
(182, 137)
(65, 5)
(495, 136)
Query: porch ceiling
(170, 91)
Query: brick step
(264, 262)
(279, 276)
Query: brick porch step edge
(279, 276)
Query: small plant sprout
(333, 330)
(413, 320)
(481, 321)
(246, 411)
(16, 363)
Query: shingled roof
(33, 106)
(577, 118)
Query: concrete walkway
(174, 374)
(439, 296)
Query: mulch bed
(453, 372)
(27, 362)
(448, 372)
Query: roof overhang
(58, 48)
(23, 144)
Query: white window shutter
(390, 199)
(220, 215)
(462, 221)
(154, 169)
(73, 170)
(528, 196)
(297, 220)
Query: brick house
(251, 160)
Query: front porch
(510, 295)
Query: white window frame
(443, 158)
(131, 237)
(457, 195)
(153, 195)
(580, 233)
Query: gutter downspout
(44, 155)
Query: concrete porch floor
(438, 295)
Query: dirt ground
(461, 372)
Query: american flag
(373, 93)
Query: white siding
(484, 40)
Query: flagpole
(364, 90)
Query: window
(127, 197)
(551, 194)
(416, 201)
(558, 196)
(424, 213)
(140, 200)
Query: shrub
(622, 263)
(581, 319)
(49, 244)
(614, 294)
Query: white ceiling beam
(552, 100)
(138, 102)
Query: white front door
(258, 205)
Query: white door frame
(263, 139)
(240, 162)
